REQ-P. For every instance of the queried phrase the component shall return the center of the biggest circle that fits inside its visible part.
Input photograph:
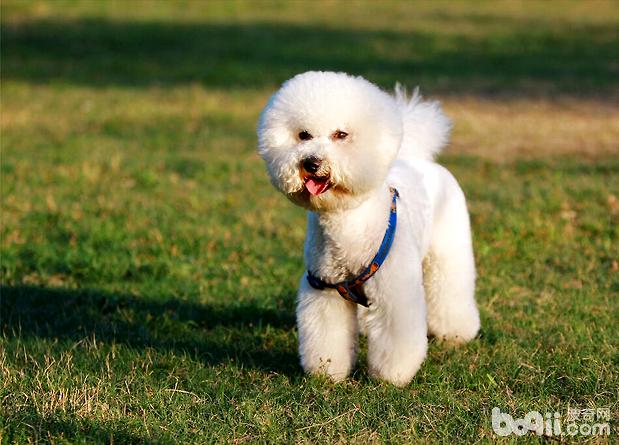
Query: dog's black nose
(311, 164)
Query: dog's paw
(457, 329)
(399, 368)
(335, 370)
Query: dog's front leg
(327, 327)
(396, 328)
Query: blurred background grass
(459, 48)
(149, 269)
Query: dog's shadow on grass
(242, 333)
(63, 425)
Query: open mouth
(317, 184)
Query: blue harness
(352, 290)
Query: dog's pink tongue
(316, 187)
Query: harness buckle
(316, 283)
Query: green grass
(149, 269)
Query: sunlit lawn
(149, 269)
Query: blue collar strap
(352, 290)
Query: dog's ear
(270, 132)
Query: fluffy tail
(426, 128)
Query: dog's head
(328, 139)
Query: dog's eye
(305, 136)
(339, 135)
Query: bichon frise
(388, 248)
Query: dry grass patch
(510, 129)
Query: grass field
(149, 268)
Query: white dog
(355, 156)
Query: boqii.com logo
(584, 422)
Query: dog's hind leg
(328, 332)
(449, 273)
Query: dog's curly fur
(361, 141)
